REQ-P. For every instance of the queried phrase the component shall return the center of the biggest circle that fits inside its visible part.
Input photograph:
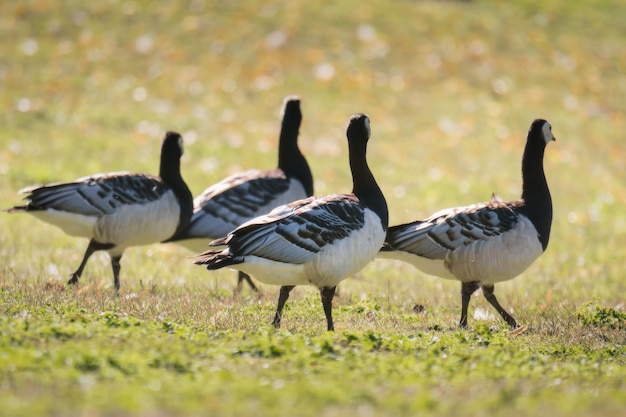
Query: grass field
(450, 87)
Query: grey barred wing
(454, 228)
(239, 197)
(296, 232)
(97, 195)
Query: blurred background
(451, 88)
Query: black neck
(290, 159)
(535, 192)
(364, 184)
(169, 172)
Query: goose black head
(359, 127)
(172, 145)
(291, 106)
(541, 130)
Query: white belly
(130, 225)
(71, 223)
(428, 266)
(500, 258)
(135, 225)
(274, 273)
(327, 268)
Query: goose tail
(17, 209)
(216, 259)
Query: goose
(486, 243)
(243, 196)
(320, 240)
(119, 209)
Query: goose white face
(367, 126)
(180, 145)
(546, 130)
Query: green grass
(451, 88)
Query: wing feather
(295, 232)
(450, 229)
(236, 199)
(97, 195)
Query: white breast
(346, 257)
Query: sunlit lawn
(450, 87)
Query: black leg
(491, 297)
(91, 248)
(467, 289)
(282, 299)
(241, 277)
(115, 264)
(327, 294)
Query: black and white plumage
(318, 241)
(483, 244)
(243, 196)
(117, 210)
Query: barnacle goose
(243, 196)
(117, 210)
(484, 243)
(318, 241)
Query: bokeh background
(451, 88)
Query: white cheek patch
(546, 129)
(180, 145)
